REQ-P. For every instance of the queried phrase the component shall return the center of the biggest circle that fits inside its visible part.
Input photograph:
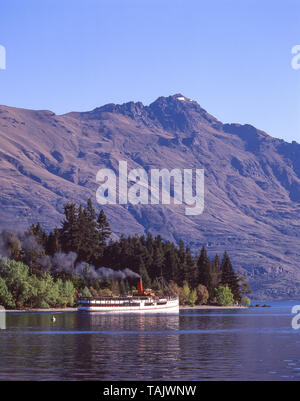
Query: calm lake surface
(249, 344)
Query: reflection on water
(194, 345)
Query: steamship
(141, 304)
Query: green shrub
(44, 305)
(17, 280)
(66, 293)
(245, 301)
(184, 294)
(6, 298)
(85, 292)
(202, 294)
(224, 296)
(193, 297)
(20, 289)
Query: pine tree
(85, 236)
(39, 234)
(69, 233)
(104, 230)
(230, 278)
(88, 243)
(205, 271)
(181, 252)
(182, 263)
(53, 244)
(171, 270)
(157, 267)
(149, 243)
(243, 284)
(216, 274)
(93, 235)
(191, 274)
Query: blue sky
(232, 56)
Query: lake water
(249, 344)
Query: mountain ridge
(252, 181)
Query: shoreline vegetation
(181, 307)
(63, 310)
(46, 271)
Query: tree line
(195, 278)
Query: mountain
(252, 181)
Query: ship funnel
(140, 287)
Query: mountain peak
(178, 97)
(178, 112)
(174, 113)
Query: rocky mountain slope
(252, 181)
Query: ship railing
(134, 298)
(113, 298)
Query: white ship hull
(165, 306)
